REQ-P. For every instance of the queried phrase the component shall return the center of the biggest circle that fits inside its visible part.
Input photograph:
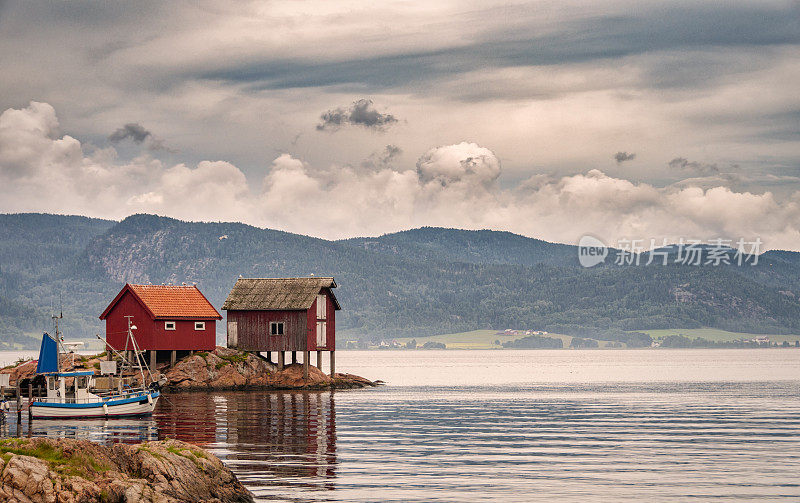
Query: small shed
(283, 314)
(168, 318)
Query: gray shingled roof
(276, 293)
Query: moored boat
(69, 395)
(76, 401)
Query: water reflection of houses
(294, 433)
(265, 436)
(191, 417)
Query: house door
(233, 334)
(321, 334)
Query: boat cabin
(78, 391)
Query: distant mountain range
(413, 283)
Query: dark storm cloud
(132, 131)
(621, 157)
(139, 135)
(360, 113)
(694, 167)
(651, 30)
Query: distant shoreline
(676, 338)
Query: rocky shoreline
(44, 470)
(229, 369)
(221, 369)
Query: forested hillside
(414, 283)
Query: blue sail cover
(48, 355)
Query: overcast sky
(335, 119)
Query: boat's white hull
(128, 407)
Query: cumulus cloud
(451, 185)
(694, 167)
(360, 113)
(621, 157)
(464, 162)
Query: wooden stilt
(30, 400)
(319, 360)
(19, 405)
(173, 357)
(294, 356)
(333, 362)
(280, 360)
(269, 356)
(153, 359)
(306, 356)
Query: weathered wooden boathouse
(168, 318)
(284, 314)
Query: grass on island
(75, 464)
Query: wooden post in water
(319, 360)
(306, 356)
(19, 404)
(333, 362)
(30, 400)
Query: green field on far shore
(715, 334)
(481, 339)
(485, 339)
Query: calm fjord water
(656, 425)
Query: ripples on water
(669, 441)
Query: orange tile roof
(168, 301)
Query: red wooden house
(283, 314)
(167, 318)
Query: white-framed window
(276, 328)
(322, 334)
(199, 325)
(322, 305)
(169, 325)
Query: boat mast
(140, 364)
(58, 338)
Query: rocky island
(44, 470)
(225, 369)
(221, 369)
